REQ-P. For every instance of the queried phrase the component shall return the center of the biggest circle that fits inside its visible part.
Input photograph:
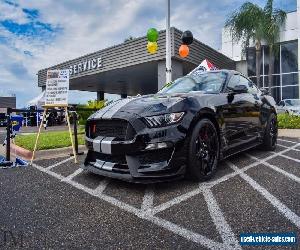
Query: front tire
(271, 133)
(203, 151)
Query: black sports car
(184, 129)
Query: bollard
(75, 135)
(8, 132)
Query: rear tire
(271, 133)
(203, 151)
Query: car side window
(252, 89)
(234, 81)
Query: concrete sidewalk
(295, 133)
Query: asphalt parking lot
(55, 205)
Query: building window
(290, 79)
(285, 75)
(251, 64)
(289, 57)
(290, 92)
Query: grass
(48, 140)
(60, 139)
(288, 121)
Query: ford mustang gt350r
(183, 130)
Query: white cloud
(11, 12)
(88, 26)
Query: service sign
(57, 88)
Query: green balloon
(152, 35)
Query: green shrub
(288, 121)
(84, 115)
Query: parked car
(3, 122)
(183, 130)
(289, 106)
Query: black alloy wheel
(271, 133)
(203, 152)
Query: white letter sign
(57, 88)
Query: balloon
(184, 50)
(152, 35)
(187, 37)
(152, 47)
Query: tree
(274, 18)
(251, 23)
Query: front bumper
(130, 160)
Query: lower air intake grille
(155, 156)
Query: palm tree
(253, 23)
(273, 20)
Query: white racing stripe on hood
(109, 114)
(102, 111)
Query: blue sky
(37, 34)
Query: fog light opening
(157, 145)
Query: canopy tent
(38, 101)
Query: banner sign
(205, 65)
(57, 88)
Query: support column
(177, 71)
(100, 95)
(168, 45)
(123, 96)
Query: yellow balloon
(152, 47)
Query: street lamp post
(168, 46)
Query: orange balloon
(184, 50)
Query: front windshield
(208, 82)
(295, 102)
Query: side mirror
(240, 89)
(264, 91)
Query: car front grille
(118, 128)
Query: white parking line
(102, 186)
(175, 201)
(147, 211)
(287, 147)
(286, 140)
(148, 198)
(283, 209)
(45, 170)
(285, 173)
(71, 176)
(290, 158)
(218, 218)
(59, 163)
(189, 235)
(210, 184)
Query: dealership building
(128, 69)
(286, 77)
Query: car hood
(141, 106)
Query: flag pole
(168, 46)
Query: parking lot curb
(43, 154)
(295, 133)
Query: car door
(241, 113)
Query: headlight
(163, 120)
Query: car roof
(228, 71)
